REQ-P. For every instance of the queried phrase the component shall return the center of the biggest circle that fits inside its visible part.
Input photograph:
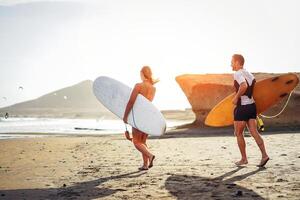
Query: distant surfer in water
(245, 110)
(139, 138)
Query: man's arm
(242, 89)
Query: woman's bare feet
(142, 168)
(241, 162)
(263, 161)
(151, 161)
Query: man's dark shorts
(245, 112)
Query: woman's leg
(145, 158)
(144, 139)
(139, 145)
(239, 127)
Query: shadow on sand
(198, 132)
(197, 187)
(85, 190)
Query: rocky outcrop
(205, 91)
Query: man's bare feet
(263, 161)
(241, 162)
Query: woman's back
(147, 90)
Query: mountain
(77, 101)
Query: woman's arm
(128, 136)
(242, 90)
(131, 101)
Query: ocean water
(38, 127)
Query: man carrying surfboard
(245, 110)
(139, 138)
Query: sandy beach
(74, 71)
(187, 166)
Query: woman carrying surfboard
(245, 110)
(139, 138)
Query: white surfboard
(115, 95)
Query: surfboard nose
(292, 80)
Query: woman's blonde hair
(146, 70)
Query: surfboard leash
(126, 127)
(134, 119)
(286, 103)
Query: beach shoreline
(185, 129)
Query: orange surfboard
(266, 93)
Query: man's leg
(239, 127)
(258, 139)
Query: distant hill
(77, 101)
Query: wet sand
(187, 166)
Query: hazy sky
(48, 45)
